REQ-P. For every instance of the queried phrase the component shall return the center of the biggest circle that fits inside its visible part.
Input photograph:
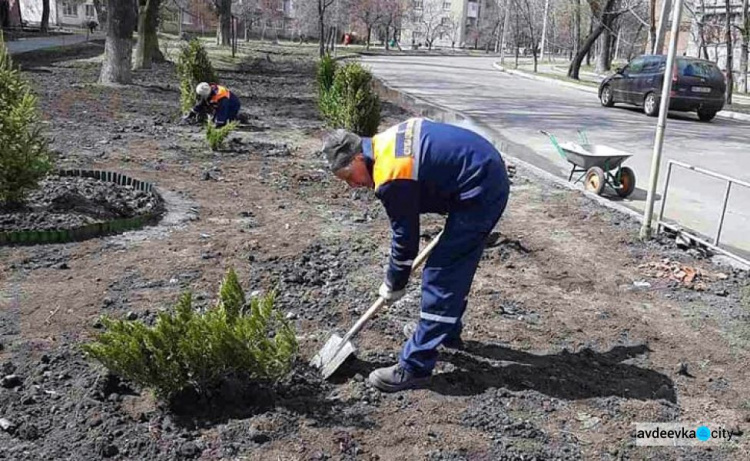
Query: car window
(652, 65)
(635, 66)
(700, 69)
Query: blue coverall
(224, 104)
(421, 166)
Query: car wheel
(650, 106)
(594, 181)
(706, 115)
(627, 182)
(606, 97)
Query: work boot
(396, 378)
(450, 343)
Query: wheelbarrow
(600, 165)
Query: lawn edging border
(88, 231)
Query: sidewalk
(39, 43)
(591, 80)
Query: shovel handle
(379, 303)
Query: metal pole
(661, 125)
(664, 195)
(723, 213)
(544, 30)
(658, 46)
(505, 32)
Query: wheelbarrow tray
(585, 156)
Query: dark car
(697, 85)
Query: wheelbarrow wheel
(627, 182)
(595, 180)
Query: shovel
(338, 349)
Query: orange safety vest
(396, 153)
(221, 93)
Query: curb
(441, 113)
(33, 237)
(723, 114)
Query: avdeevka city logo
(673, 434)
(703, 433)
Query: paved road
(40, 43)
(516, 109)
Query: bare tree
(431, 21)
(529, 13)
(118, 49)
(603, 13)
(393, 11)
(369, 13)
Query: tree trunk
(224, 28)
(321, 28)
(602, 61)
(730, 52)
(101, 14)
(575, 66)
(516, 39)
(604, 21)
(45, 16)
(147, 49)
(651, 25)
(577, 27)
(744, 49)
(118, 50)
(369, 33)
(588, 52)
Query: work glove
(389, 295)
(187, 117)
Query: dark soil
(564, 350)
(63, 202)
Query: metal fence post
(664, 197)
(723, 213)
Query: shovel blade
(333, 354)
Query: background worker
(215, 100)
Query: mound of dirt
(70, 202)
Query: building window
(186, 18)
(446, 6)
(70, 9)
(90, 11)
(445, 21)
(418, 4)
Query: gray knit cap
(340, 148)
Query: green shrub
(217, 136)
(191, 349)
(326, 102)
(326, 71)
(24, 156)
(193, 67)
(357, 107)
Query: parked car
(697, 85)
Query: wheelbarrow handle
(381, 301)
